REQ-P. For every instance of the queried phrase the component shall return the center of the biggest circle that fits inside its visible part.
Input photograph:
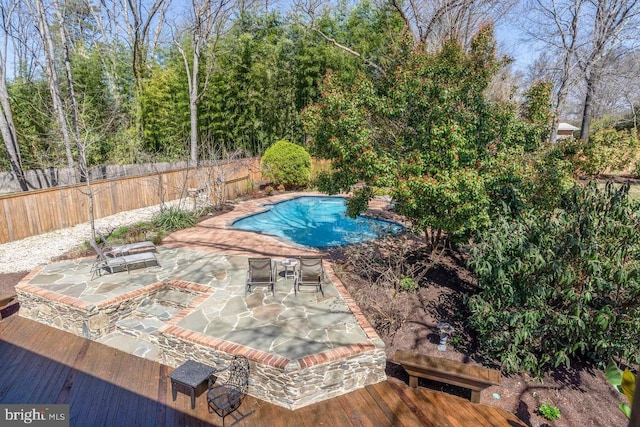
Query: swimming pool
(316, 221)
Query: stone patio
(303, 348)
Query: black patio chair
(225, 399)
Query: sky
(511, 40)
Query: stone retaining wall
(289, 383)
(76, 320)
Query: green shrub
(173, 219)
(120, 232)
(287, 164)
(563, 284)
(609, 150)
(408, 284)
(549, 411)
(134, 233)
(554, 168)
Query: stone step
(156, 309)
(137, 346)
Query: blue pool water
(316, 221)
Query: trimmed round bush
(286, 163)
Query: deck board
(105, 386)
(397, 412)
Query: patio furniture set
(223, 398)
(305, 271)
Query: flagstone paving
(289, 325)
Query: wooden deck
(107, 387)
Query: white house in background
(566, 130)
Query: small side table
(289, 263)
(190, 374)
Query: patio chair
(124, 262)
(126, 249)
(261, 272)
(225, 399)
(310, 273)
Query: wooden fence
(36, 212)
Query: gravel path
(26, 254)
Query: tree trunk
(139, 27)
(67, 63)
(193, 107)
(569, 38)
(8, 129)
(586, 112)
(52, 75)
(7, 126)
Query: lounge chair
(310, 273)
(127, 249)
(261, 272)
(124, 262)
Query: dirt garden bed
(581, 393)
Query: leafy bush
(173, 219)
(408, 284)
(609, 150)
(554, 168)
(134, 233)
(549, 411)
(562, 284)
(287, 164)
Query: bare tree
(585, 37)
(434, 22)
(139, 20)
(38, 12)
(613, 25)
(210, 20)
(619, 93)
(221, 165)
(90, 133)
(66, 55)
(7, 126)
(556, 23)
(108, 40)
